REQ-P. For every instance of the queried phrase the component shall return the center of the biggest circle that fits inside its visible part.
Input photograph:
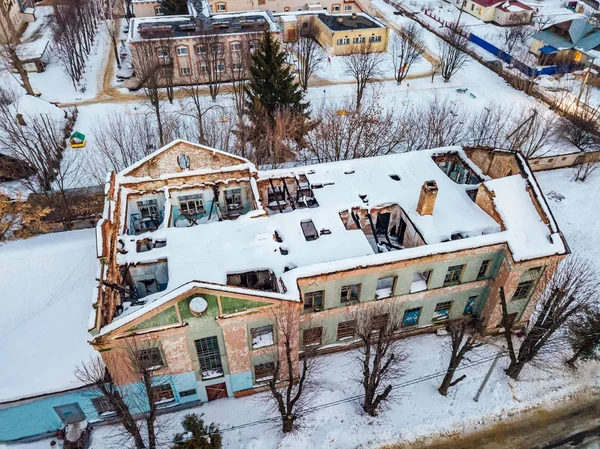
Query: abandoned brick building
(196, 248)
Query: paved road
(575, 424)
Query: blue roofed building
(565, 43)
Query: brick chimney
(427, 198)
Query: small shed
(35, 55)
(77, 140)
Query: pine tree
(174, 7)
(272, 86)
(197, 434)
(274, 102)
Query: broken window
(257, 280)
(103, 406)
(379, 322)
(162, 394)
(209, 357)
(148, 208)
(150, 359)
(313, 300)
(420, 281)
(309, 230)
(350, 293)
(442, 311)
(262, 336)
(523, 290)
(233, 199)
(313, 336)
(264, 371)
(453, 274)
(385, 287)
(483, 269)
(411, 317)
(191, 204)
(470, 305)
(346, 330)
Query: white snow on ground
(417, 411)
(45, 298)
(575, 207)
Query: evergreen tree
(274, 102)
(174, 7)
(197, 435)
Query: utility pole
(585, 80)
(487, 377)
(462, 7)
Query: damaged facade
(198, 250)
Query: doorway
(216, 391)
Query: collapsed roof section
(188, 213)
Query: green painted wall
(168, 316)
(234, 305)
(184, 308)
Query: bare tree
(345, 132)
(238, 71)
(39, 140)
(459, 348)
(211, 54)
(364, 66)
(381, 357)
(560, 295)
(514, 36)
(8, 48)
(452, 49)
(120, 141)
(406, 49)
(150, 61)
(95, 375)
(309, 54)
(75, 26)
(290, 380)
(585, 169)
(533, 131)
(584, 334)
(110, 9)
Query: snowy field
(45, 297)
(418, 410)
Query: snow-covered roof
(29, 105)
(46, 281)
(208, 252)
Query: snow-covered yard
(418, 409)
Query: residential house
(198, 49)
(342, 34)
(504, 12)
(199, 251)
(147, 8)
(566, 42)
(19, 12)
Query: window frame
(182, 48)
(334, 6)
(270, 369)
(219, 5)
(196, 199)
(150, 359)
(379, 322)
(229, 195)
(485, 267)
(471, 301)
(347, 7)
(260, 331)
(183, 69)
(103, 406)
(346, 327)
(163, 388)
(449, 279)
(518, 295)
(318, 331)
(211, 355)
(346, 293)
(312, 295)
(442, 306)
(394, 280)
(148, 206)
(414, 309)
